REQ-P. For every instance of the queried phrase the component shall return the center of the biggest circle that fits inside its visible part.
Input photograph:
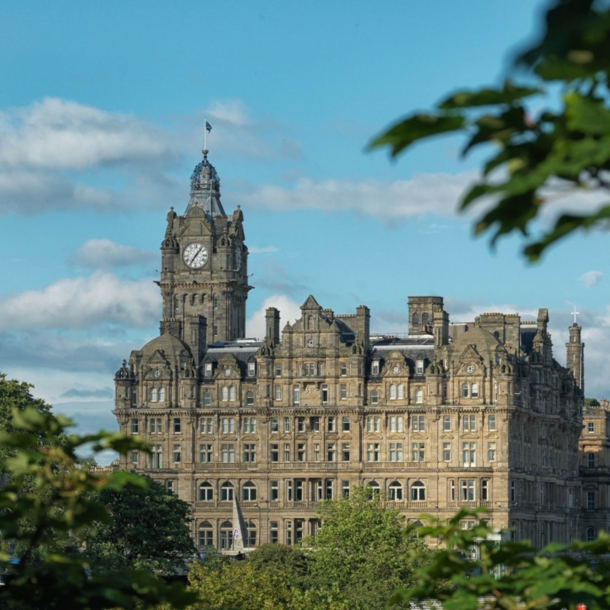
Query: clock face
(470, 368)
(157, 373)
(195, 256)
(227, 372)
(237, 259)
(311, 343)
(395, 370)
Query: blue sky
(101, 115)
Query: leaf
(488, 97)
(586, 114)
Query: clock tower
(204, 279)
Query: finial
(205, 152)
(238, 207)
(575, 313)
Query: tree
(364, 549)
(148, 530)
(294, 562)
(472, 572)
(539, 155)
(47, 505)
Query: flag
(208, 127)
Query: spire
(205, 189)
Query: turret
(575, 356)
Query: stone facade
(450, 416)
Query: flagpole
(205, 134)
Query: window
(296, 394)
(331, 452)
(395, 423)
(373, 423)
(206, 426)
(343, 369)
(288, 487)
(591, 460)
(288, 538)
(232, 393)
(395, 491)
(205, 535)
(419, 397)
(206, 492)
(491, 452)
(274, 427)
(227, 453)
(134, 426)
(418, 423)
(278, 392)
(590, 534)
(395, 452)
(452, 490)
(248, 492)
(250, 453)
(153, 395)
(465, 390)
(446, 452)
(226, 492)
(419, 367)
(273, 532)
(301, 454)
(374, 397)
(249, 425)
(155, 425)
(392, 392)
(177, 425)
(249, 397)
(491, 423)
(208, 369)
(418, 452)
(474, 390)
(286, 452)
(286, 424)
(513, 491)
(345, 452)
(590, 500)
(278, 370)
(446, 423)
(300, 424)
(401, 391)
(467, 490)
(343, 391)
(332, 427)
(251, 369)
(156, 456)
(484, 490)
(135, 456)
(176, 455)
(469, 423)
(418, 491)
(226, 533)
(324, 394)
(315, 424)
(224, 393)
(591, 427)
(274, 491)
(345, 489)
(469, 454)
(207, 399)
(372, 452)
(374, 488)
(227, 425)
(375, 368)
(275, 452)
(345, 423)
(205, 453)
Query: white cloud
(83, 302)
(425, 194)
(591, 278)
(290, 311)
(106, 254)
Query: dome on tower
(205, 189)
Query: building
(450, 416)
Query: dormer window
(208, 369)
(419, 367)
(375, 368)
(251, 369)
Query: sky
(102, 107)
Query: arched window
(392, 392)
(224, 393)
(232, 393)
(418, 491)
(374, 397)
(464, 390)
(415, 320)
(205, 535)
(206, 492)
(474, 390)
(226, 535)
(419, 397)
(153, 394)
(161, 394)
(373, 488)
(401, 391)
(590, 534)
(248, 492)
(424, 319)
(249, 397)
(226, 492)
(207, 398)
(395, 491)
(251, 539)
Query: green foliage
(591, 402)
(293, 562)
(364, 549)
(148, 530)
(535, 158)
(47, 508)
(472, 572)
